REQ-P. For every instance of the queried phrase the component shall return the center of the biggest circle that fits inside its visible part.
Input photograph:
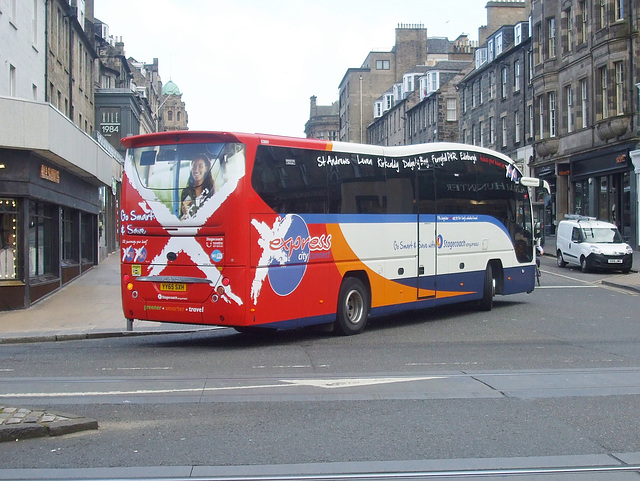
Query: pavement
(89, 308)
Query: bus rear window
(183, 176)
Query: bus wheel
(488, 290)
(353, 307)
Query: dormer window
(490, 53)
(517, 34)
(498, 44)
(408, 84)
(433, 82)
(480, 57)
(377, 108)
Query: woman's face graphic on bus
(198, 171)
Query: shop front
(48, 227)
(603, 187)
(545, 203)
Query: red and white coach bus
(249, 230)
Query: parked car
(592, 244)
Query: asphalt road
(547, 378)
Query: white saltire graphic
(199, 257)
(267, 235)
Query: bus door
(427, 260)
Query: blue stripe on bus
(398, 219)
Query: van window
(575, 235)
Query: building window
(480, 133)
(552, 114)
(568, 94)
(492, 85)
(517, 31)
(552, 37)
(87, 238)
(452, 110)
(601, 7)
(8, 239)
(504, 131)
(516, 121)
(583, 103)
(540, 117)
(480, 57)
(569, 16)
(70, 236)
(539, 38)
(498, 44)
(604, 92)
(583, 18)
(492, 131)
(619, 88)
(490, 49)
(619, 7)
(530, 56)
(503, 85)
(383, 64)
(531, 120)
(13, 82)
(516, 76)
(41, 240)
(169, 115)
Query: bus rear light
(225, 281)
(215, 298)
(130, 286)
(126, 277)
(134, 294)
(220, 290)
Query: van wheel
(488, 290)
(560, 260)
(353, 307)
(584, 267)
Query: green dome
(170, 88)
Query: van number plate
(615, 261)
(173, 287)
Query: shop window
(70, 236)
(88, 238)
(8, 239)
(41, 240)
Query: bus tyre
(488, 290)
(353, 307)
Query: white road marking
(320, 383)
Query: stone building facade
(586, 107)
(360, 87)
(435, 118)
(324, 121)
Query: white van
(592, 244)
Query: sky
(252, 65)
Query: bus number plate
(173, 287)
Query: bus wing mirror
(535, 182)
